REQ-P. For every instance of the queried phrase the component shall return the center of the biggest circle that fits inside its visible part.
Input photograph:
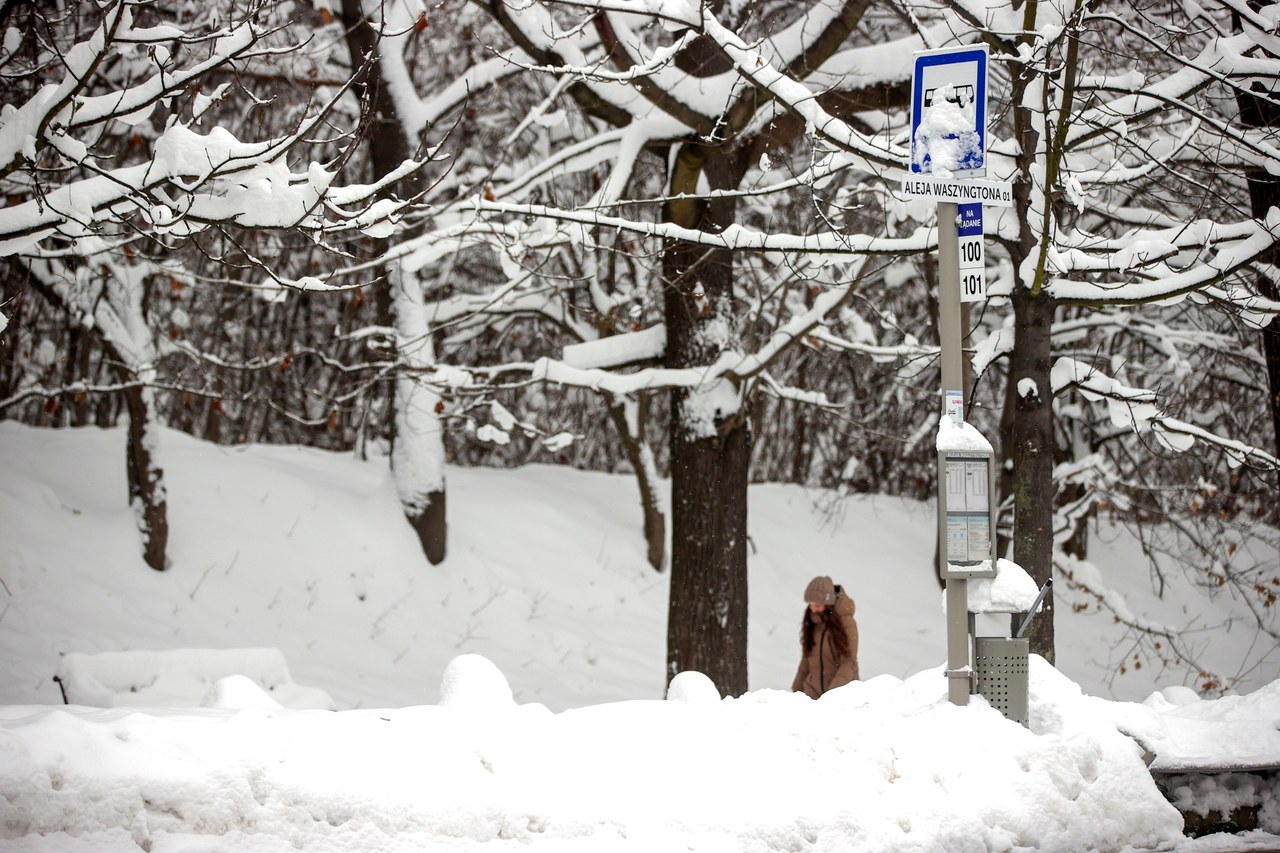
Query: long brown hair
(832, 623)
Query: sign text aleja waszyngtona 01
(960, 191)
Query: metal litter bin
(1000, 664)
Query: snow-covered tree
(583, 216)
(106, 175)
(1129, 232)
(1094, 137)
(376, 33)
(650, 122)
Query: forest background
(663, 238)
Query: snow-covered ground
(514, 696)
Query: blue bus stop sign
(949, 112)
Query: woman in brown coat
(828, 639)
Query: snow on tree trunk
(417, 450)
(109, 304)
(130, 337)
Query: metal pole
(1035, 605)
(959, 683)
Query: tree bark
(120, 327)
(628, 418)
(415, 421)
(707, 616)
(1029, 396)
(710, 438)
(1027, 418)
(147, 497)
(1264, 193)
(709, 432)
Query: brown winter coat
(824, 668)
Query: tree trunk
(417, 438)
(431, 527)
(629, 417)
(76, 369)
(1029, 396)
(147, 496)
(120, 327)
(417, 450)
(707, 618)
(1264, 193)
(710, 439)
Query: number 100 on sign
(973, 280)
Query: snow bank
(874, 766)
(184, 678)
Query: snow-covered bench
(188, 678)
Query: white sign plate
(978, 190)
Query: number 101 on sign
(973, 282)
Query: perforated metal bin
(1000, 664)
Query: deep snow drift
(515, 692)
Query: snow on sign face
(949, 113)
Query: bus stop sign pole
(948, 162)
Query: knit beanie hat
(821, 590)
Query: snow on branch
(509, 299)
(1230, 61)
(533, 27)
(877, 352)
(798, 326)
(1255, 310)
(27, 128)
(580, 157)
(759, 63)
(1146, 256)
(1116, 114)
(1180, 435)
(595, 379)
(795, 395)
(735, 237)
(222, 179)
(418, 114)
(239, 184)
(799, 99)
(582, 365)
(659, 61)
(590, 365)
(1086, 577)
(618, 350)
(188, 181)
(1136, 409)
